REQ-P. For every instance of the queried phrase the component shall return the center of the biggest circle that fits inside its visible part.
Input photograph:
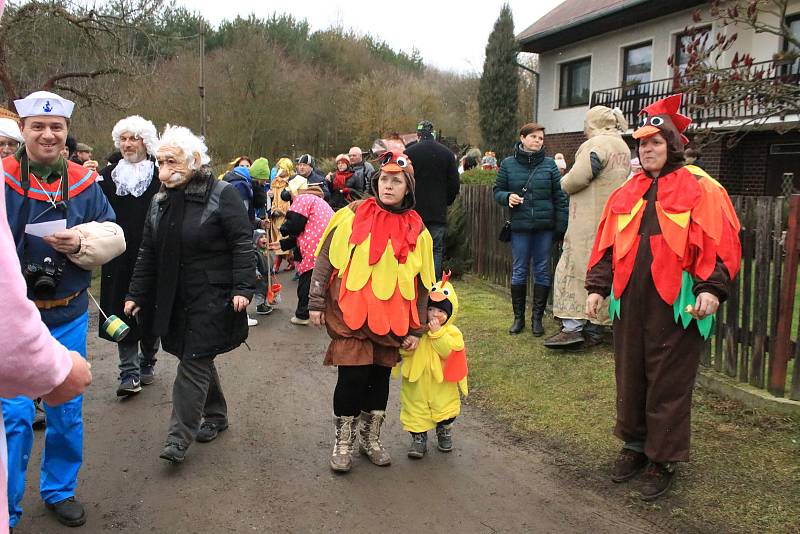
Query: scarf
(340, 179)
(168, 249)
(132, 178)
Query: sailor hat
(44, 103)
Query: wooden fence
(757, 329)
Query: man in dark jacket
(129, 182)
(196, 270)
(436, 173)
(305, 168)
(239, 177)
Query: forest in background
(273, 86)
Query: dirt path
(269, 472)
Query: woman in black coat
(196, 271)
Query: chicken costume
(662, 240)
(434, 372)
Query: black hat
(308, 159)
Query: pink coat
(318, 213)
(32, 362)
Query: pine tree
(497, 93)
(457, 257)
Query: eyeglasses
(391, 157)
(9, 144)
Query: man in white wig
(63, 227)
(129, 181)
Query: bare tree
(76, 48)
(739, 90)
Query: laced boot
(341, 458)
(519, 293)
(369, 432)
(540, 294)
(444, 437)
(419, 445)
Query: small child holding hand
(433, 374)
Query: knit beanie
(308, 159)
(260, 170)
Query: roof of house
(576, 20)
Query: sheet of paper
(46, 228)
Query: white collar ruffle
(133, 178)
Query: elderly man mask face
(174, 165)
(132, 147)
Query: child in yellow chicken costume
(433, 374)
(374, 267)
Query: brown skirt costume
(656, 359)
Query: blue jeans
(437, 233)
(63, 440)
(527, 246)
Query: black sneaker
(147, 374)
(174, 453)
(69, 512)
(209, 431)
(130, 385)
(263, 309)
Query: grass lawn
(745, 470)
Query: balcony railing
(633, 97)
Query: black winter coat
(436, 176)
(216, 263)
(116, 274)
(546, 206)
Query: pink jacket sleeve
(32, 362)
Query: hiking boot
(129, 385)
(174, 453)
(69, 512)
(540, 294)
(298, 321)
(564, 340)
(147, 374)
(444, 437)
(519, 294)
(209, 431)
(629, 464)
(39, 418)
(657, 480)
(369, 434)
(251, 321)
(342, 456)
(419, 445)
(263, 309)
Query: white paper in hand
(46, 228)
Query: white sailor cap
(9, 128)
(44, 103)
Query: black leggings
(361, 387)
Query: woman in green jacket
(530, 185)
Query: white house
(616, 52)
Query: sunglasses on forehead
(391, 157)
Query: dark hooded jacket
(436, 173)
(545, 205)
(214, 262)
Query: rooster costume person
(373, 262)
(666, 250)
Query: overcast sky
(450, 34)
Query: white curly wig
(190, 143)
(141, 128)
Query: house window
(682, 40)
(794, 26)
(637, 61)
(574, 88)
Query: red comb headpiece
(669, 106)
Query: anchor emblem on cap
(47, 107)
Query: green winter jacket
(546, 206)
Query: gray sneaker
(209, 431)
(173, 453)
(444, 437)
(419, 445)
(130, 385)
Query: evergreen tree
(497, 93)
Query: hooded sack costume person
(601, 165)
(280, 180)
(373, 262)
(662, 241)
(129, 188)
(433, 374)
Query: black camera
(43, 278)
